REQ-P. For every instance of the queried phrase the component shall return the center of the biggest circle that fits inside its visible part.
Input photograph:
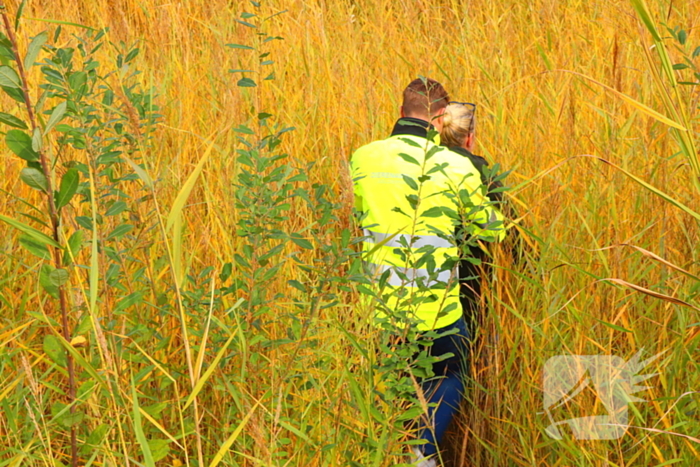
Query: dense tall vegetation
(179, 278)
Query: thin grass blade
(231, 439)
(138, 430)
(181, 199)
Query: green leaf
(184, 193)
(46, 282)
(56, 116)
(301, 241)
(143, 175)
(4, 41)
(36, 140)
(6, 55)
(138, 430)
(80, 360)
(120, 231)
(69, 185)
(11, 120)
(245, 23)
(94, 439)
(214, 363)
(117, 208)
(20, 11)
(20, 143)
(613, 326)
(240, 71)
(246, 83)
(58, 277)
(641, 8)
(84, 222)
(410, 182)
(297, 285)
(34, 178)
(409, 159)
(75, 243)
(34, 247)
(409, 141)
(14, 93)
(67, 23)
(131, 55)
(240, 46)
(130, 300)
(40, 237)
(435, 211)
(432, 151)
(245, 15)
(69, 419)
(160, 448)
(34, 49)
(9, 78)
(63, 128)
(682, 37)
(77, 80)
(54, 349)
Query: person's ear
(438, 119)
(469, 142)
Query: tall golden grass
(339, 73)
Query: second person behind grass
(458, 133)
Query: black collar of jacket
(462, 151)
(412, 127)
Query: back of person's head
(458, 122)
(424, 98)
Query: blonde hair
(458, 122)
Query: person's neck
(422, 118)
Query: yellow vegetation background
(340, 70)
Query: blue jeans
(447, 388)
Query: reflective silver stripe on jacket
(418, 240)
(411, 274)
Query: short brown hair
(424, 97)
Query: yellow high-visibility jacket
(391, 177)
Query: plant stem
(53, 213)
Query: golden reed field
(173, 360)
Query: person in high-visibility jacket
(413, 195)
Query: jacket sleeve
(487, 220)
(515, 241)
(487, 178)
